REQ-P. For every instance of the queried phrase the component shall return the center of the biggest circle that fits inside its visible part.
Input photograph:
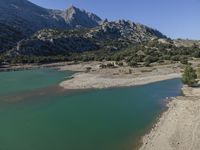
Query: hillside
(27, 18)
(32, 34)
(9, 36)
(108, 36)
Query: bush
(198, 73)
(88, 69)
(184, 60)
(120, 64)
(189, 76)
(148, 61)
(102, 66)
(196, 54)
(132, 63)
(110, 65)
(175, 58)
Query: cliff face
(76, 18)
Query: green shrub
(110, 65)
(120, 64)
(198, 73)
(184, 60)
(132, 63)
(189, 76)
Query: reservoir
(36, 114)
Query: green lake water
(35, 114)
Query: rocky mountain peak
(123, 29)
(72, 7)
(76, 17)
(26, 18)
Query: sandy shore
(116, 77)
(179, 127)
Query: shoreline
(113, 83)
(98, 78)
(143, 137)
(19, 67)
(177, 127)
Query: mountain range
(28, 17)
(28, 29)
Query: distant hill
(186, 42)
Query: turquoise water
(108, 119)
(12, 82)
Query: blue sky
(174, 18)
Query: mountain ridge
(19, 12)
(27, 18)
(108, 35)
(31, 22)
